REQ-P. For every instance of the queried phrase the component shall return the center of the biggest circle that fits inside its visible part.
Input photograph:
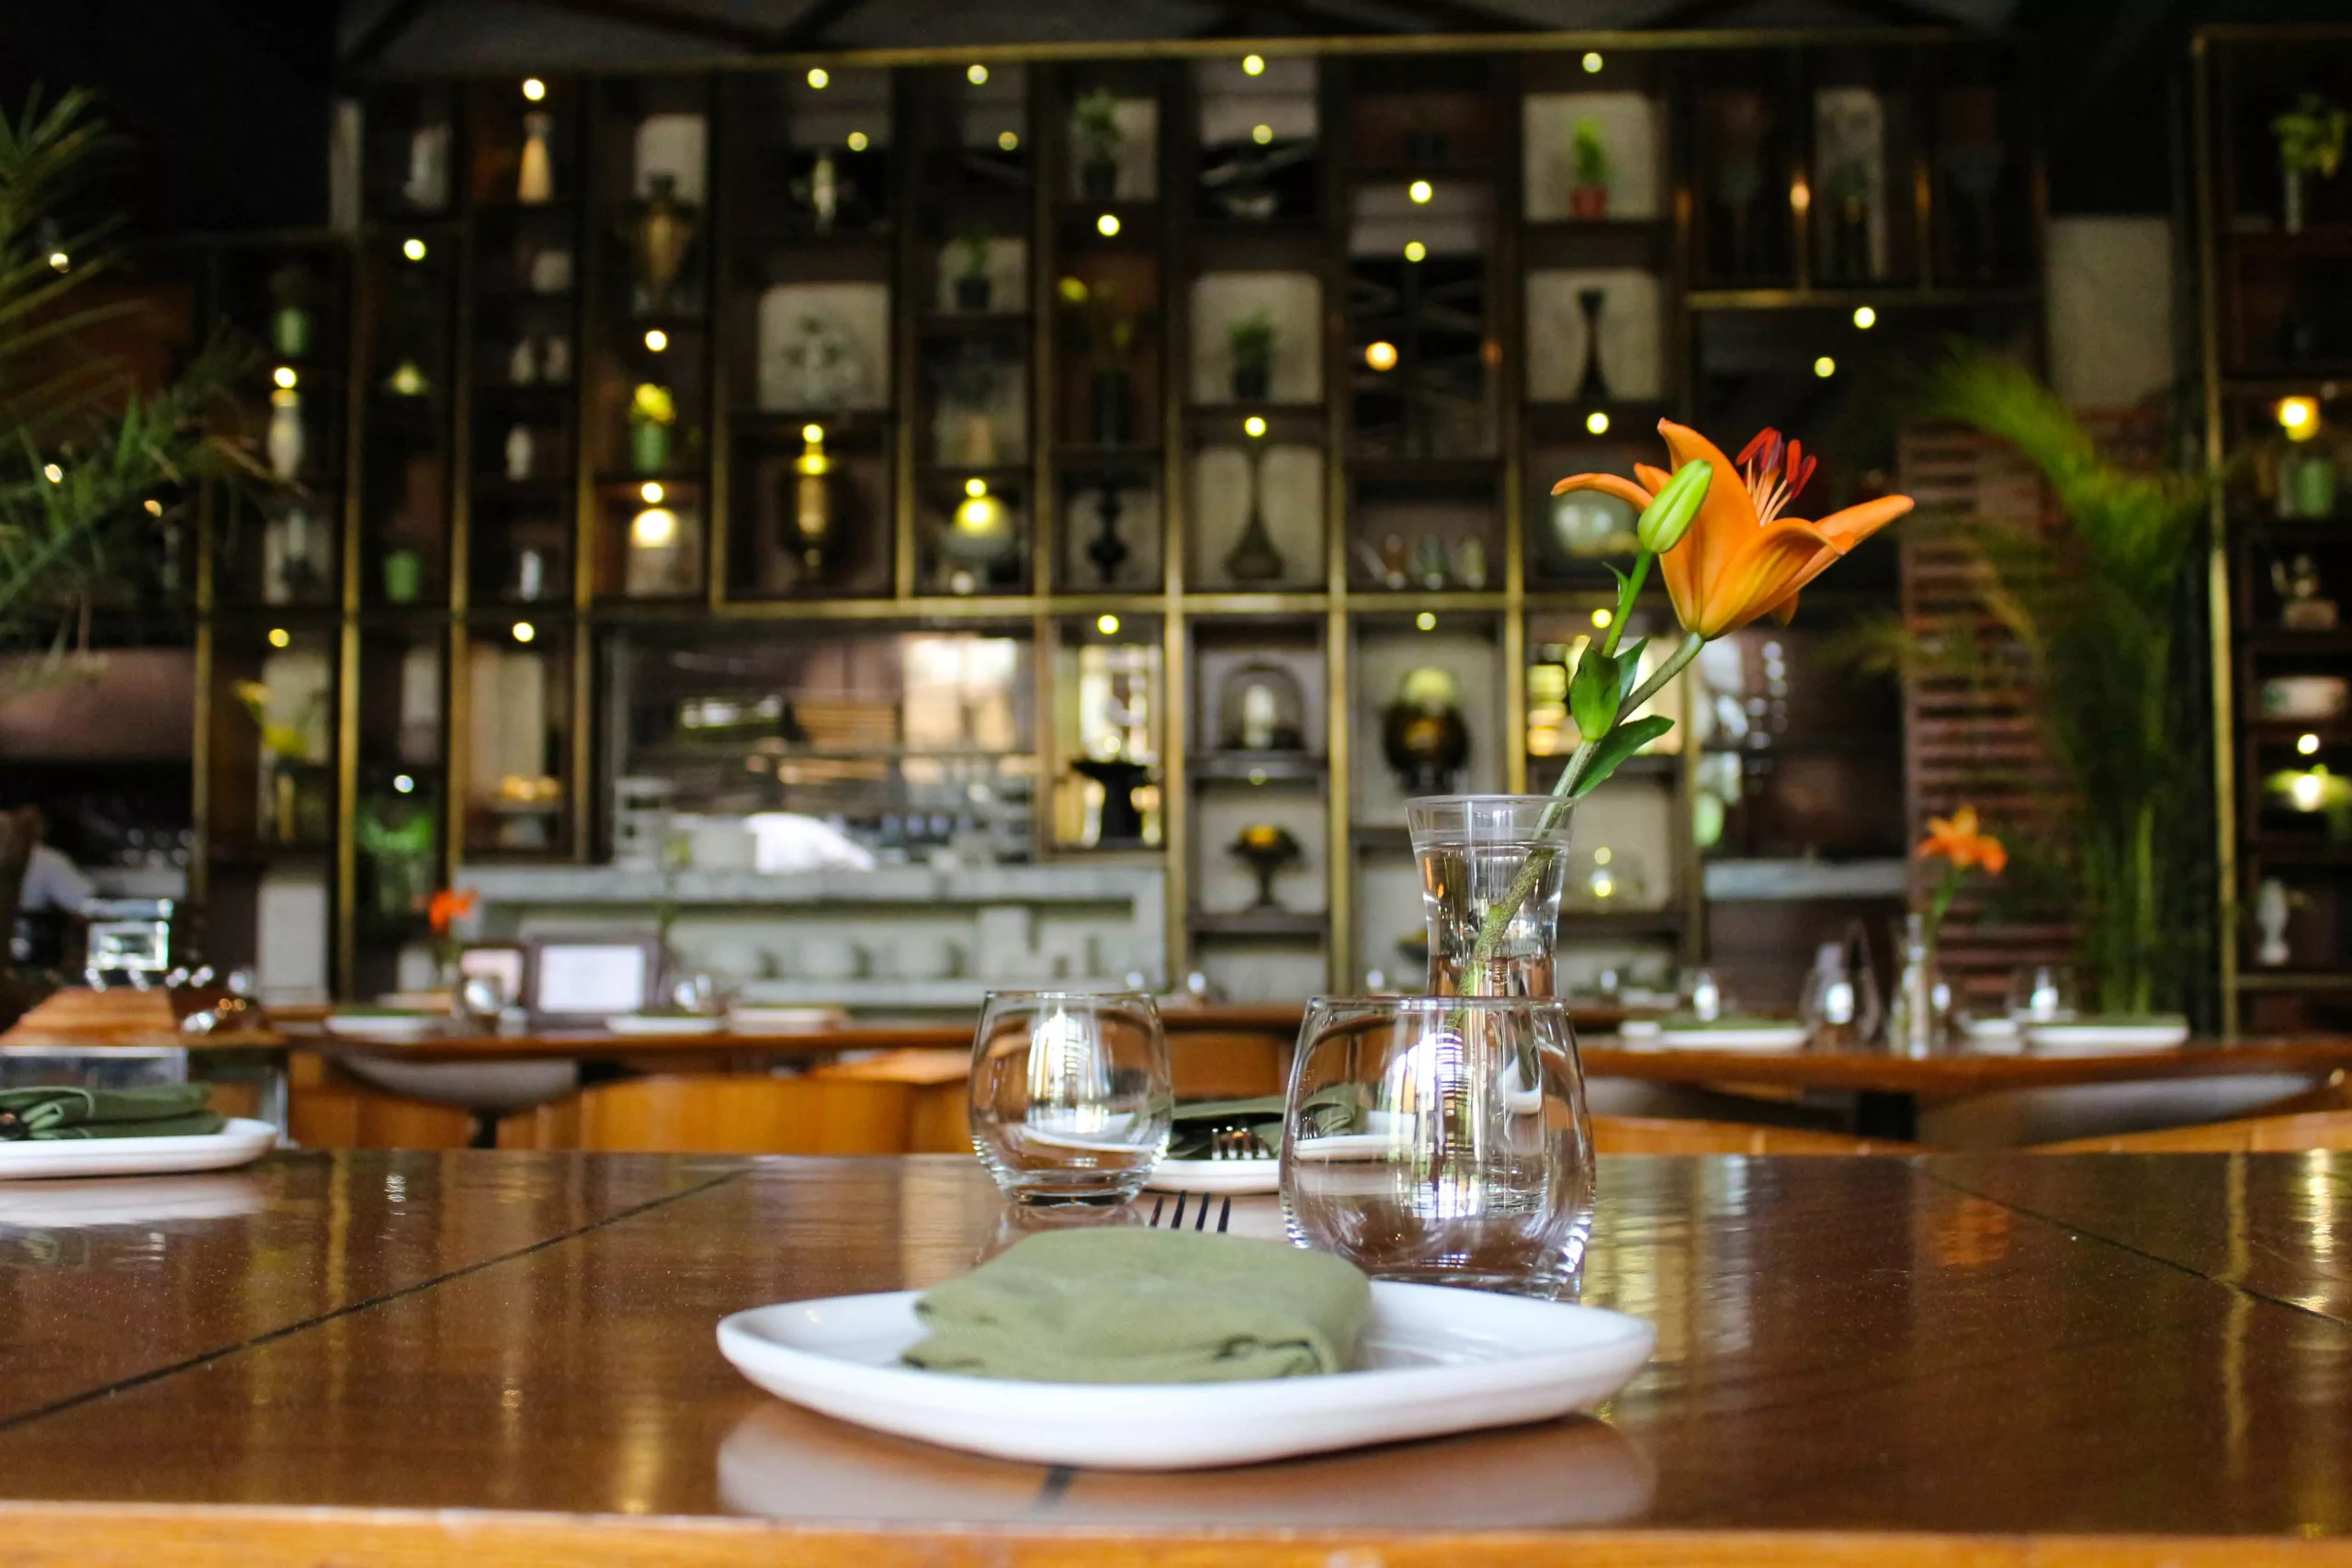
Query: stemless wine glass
(1072, 1100)
(1442, 1141)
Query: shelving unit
(1411, 223)
(2273, 349)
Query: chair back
(717, 1113)
(1670, 1135)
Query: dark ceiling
(225, 102)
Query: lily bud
(1668, 515)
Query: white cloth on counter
(788, 841)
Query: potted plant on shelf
(971, 277)
(1250, 341)
(1588, 158)
(2310, 142)
(1108, 328)
(652, 411)
(1095, 134)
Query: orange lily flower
(1741, 558)
(447, 907)
(1957, 840)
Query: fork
(1238, 1142)
(1199, 1216)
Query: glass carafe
(1492, 868)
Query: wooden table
(405, 1360)
(1889, 1089)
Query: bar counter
(410, 1358)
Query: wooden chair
(940, 1121)
(715, 1114)
(1668, 1135)
(2295, 1133)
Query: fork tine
(1157, 1204)
(1223, 1215)
(1201, 1219)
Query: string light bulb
(403, 785)
(653, 493)
(280, 637)
(154, 507)
(1865, 318)
(1824, 367)
(1596, 422)
(2307, 743)
(1602, 617)
(1416, 251)
(524, 631)
(857, 141)
(1008, 140)
(1381, 355)
(976, 487)
(1592, 62)
(59, 261)
(1420, 191)
(1255, 426)
(818, 78)
(1261, 134)
(976, 73)
(1426, 621)
(1107, 624)
(52, 473)
(534, 89)
(1107, 225)
(1253, 65)
(2299, 417)
(412, 248)
(653, 528)
(284, 376)
(656, 339)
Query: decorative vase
(1593, 385)
(972, 292)
(1097, 178)
(1251, 380)
(1422, 732)
(520, 450)
(284, 442)
(1267, 849)
(1590, 203)
(535, 181)
(649, 446)
(1121, 819)
(289, 331)
(1918, 1018)
(1113, 402)
(403, 576)
(2291, 197)
(1474, 852)
(1260, 707)
(812, 510)
(1253, 558)
(1106, 550)
(664, 232)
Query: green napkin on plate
(157, 1111)
(1139, 1305)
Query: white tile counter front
(899, 938)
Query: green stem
(1530, 872)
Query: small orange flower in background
(1741, 559)
(448, 906)
(1957, 838)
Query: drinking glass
(1071, 1101)
(1442, 1141)
(1475, 853)
(2041, 993)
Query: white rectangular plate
(1790, 1037)
(241, 1142)
(1217, 1175)
(2057, 1038)
(658, 1024)
(1435, 1361)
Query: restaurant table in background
(475, 1357)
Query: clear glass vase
(1442, 1141)
(1919, 1016)
(1491, 873)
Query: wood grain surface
(484, 1357)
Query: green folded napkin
(1133, 1305)
(157, 1111)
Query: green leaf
(1629, 669)
(1620, 745)
(1594, 692)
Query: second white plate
(241, 1142)
(1771, 1037)
(1436, 1360)
(1234, 1176)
